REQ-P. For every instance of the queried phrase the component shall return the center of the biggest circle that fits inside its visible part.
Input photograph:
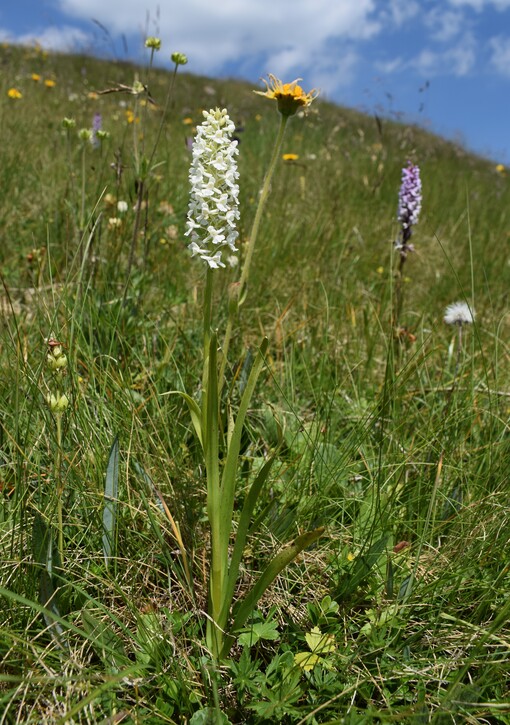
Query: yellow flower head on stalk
(290, 157)
(290, 97)
(14, 93)
(49, 83)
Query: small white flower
(459, 313)
(122, 207)
(213, 208)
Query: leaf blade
(111, 492)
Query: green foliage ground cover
(396, 441)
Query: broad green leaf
(257, 631)
(320, 643)
(209, 716)
(229, 476)
(46, 555)
(306, 660)
(106, 643)
(275, 566)
(361, 568)
(194, 411)
(242, 532)
(111, 492)
(162, 506)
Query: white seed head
(459, 313)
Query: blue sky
(442, 63)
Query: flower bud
(56, 359)
(179, 58)
(154, 43)
(85, 134)
(57, 403)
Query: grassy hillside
(390, 430)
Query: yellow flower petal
(290, 97)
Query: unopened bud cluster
(179, 58)
(56, 363)
(153, 43)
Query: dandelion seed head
(459, 313)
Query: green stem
(134, 238)
(210, 442)
(59, 486)
(241, 291)
(233, 306)
(219, 556)
(207, 313)
(135, 140)
(82, 205)
(399, 294)
(266, 187)
(163, 115)
(146, 107)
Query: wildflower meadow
(254, 432)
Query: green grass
(378, 442)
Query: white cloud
(500, 58)
(287, 31)
(458, 60)
(63, 38)
(444, 24)
(336, 74)
(400, 11)
(390, 66)
(289, 38)
(481, 4)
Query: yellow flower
(131, 118)
(92, 96)
(14, 93)
(289, 96)
(290, 157)
(49, 83)
(500, 168)
(187, 121)
(36, 77)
